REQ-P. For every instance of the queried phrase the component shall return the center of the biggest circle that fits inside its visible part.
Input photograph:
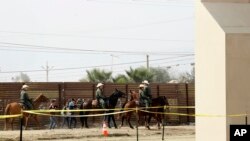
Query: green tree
(139, 74)
(97, 75)
(22, 77)
(121, 78)
(160, 75)
(187, 77)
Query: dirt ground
(172, 133)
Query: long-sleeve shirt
(99, 94)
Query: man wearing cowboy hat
(99, 95)
(146, 94)
(24, 98)
(141, 87)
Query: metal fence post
(187, 101)
(137, 119)
(21, 126)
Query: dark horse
(111, 104)
(133, 103)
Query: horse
(112, 102)
(15, 108)
(84, 104)
(133, 103)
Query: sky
(76, 35)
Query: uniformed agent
(24, 98)
(100, 96)
(146, 94)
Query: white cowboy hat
(25, 86)
(99, 85)
(141, 86)
(145, 82)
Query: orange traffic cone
(104, 130)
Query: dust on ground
(172, 133)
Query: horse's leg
(128, 121)
(5, 125)
(11, 123)
(147, 120)
(113, 119)
(159, 122)
(109, 118)
(26, 122)
(82, 121)
(123, 116)
(37, 122)
(86, 122)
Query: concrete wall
(210, 77)
(222, 66)
(236, 1)
(238, 76)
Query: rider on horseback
(24, 98)
(145, 94)
(99, 95)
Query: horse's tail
(7, 112)
(122, 109)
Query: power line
(134, 2)
(108, 65)
(41, 47)
(105, 37)
(105, 29)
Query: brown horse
(134, 102)
(15, 108)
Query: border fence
(177, 94)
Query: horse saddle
(95, 103)
(22, 106)
(138, 103)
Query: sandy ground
(172, 133)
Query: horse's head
(119, 94)
(163, 101)
(134, 95)
(41, 98)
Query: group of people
(26, 102)
(144, 94)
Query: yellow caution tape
(180, 107)
(9, 116)
(94, 115)
(196, 115)
(115, 109)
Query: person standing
(52, 118)
(24, 98)
(72, 106)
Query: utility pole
(112, 62)
(147, 61)
(47, 69)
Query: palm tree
(121, 78)
(97, 75)
(139, 74)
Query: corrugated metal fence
(177, 94)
